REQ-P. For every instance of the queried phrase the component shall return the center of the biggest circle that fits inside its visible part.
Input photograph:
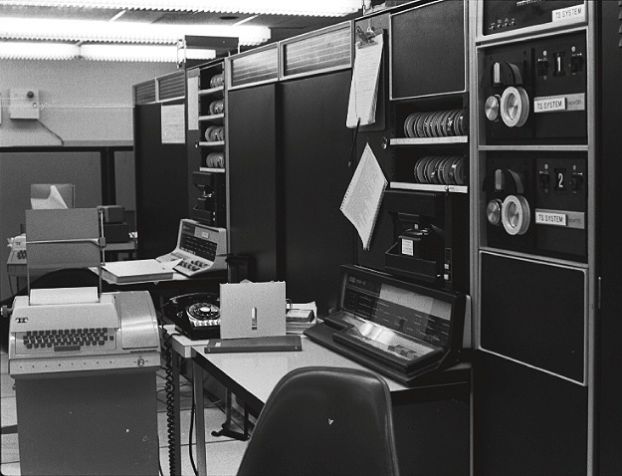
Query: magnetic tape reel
(217, 80)
(215, 160)
(441, 170)
(217, 106)
(435, 124)
(214, 133)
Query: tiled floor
(223, 454)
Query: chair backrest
(322, 421)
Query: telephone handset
(197, 315)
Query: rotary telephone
(197, 315)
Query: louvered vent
(145, 93)
(255, 67)
(171, 86)
(620, 18)
(322, 51)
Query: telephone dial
(197, 315)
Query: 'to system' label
(576, 13)
(549, 104)
(547, 218)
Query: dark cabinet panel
(316, 148)
(253, 167)
(161, 184)
(527, 422)
(609, 324)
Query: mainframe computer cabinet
(547, 281)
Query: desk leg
(199, 418)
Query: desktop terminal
(199, 248)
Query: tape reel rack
(210, 178)
(424, 147)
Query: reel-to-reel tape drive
(535, 91)
(537, 203)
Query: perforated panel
(171, 86)
(144, 93)
(255, 67)
(325, 50)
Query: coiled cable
(171, 417)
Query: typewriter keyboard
(63, 340)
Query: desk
(252, 377)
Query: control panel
(507, 15)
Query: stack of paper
(136, 271)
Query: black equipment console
(508, 15)
(400, 329)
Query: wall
(85, 103)
(81, 100)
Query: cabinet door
(609, 390)
(316, 148)
(161, 184)
(254, 220)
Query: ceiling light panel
(24, 50)
(139, 53)
(327, 8)
(123, 32)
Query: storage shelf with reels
(422, 231)
(208, 174)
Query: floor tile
(11, 469)
(8, 412)
(4, 363)
(214, 419)
(6, 386)
(10, 449)
(223, 458)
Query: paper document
(53, 201)
(172, 124)
(63, 296)
(193, 103)
(363, 197)
(364, 86)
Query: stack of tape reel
(442, 170)
(215, 160)
(436, 124)
(217, 107)
(217, 80)
(215, 134)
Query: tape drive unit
(535, 91)
(537, 203)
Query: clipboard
(365, 79)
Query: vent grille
(171, 86)
(255, 67)
(620, 18)
(145, 93)
(322, 51)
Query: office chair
(324, 421)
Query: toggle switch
(576, 181)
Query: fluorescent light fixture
(30, 50)
(139, 53)
(321, 8)
(123, 32)
(97, 52)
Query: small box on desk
(116, 232)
